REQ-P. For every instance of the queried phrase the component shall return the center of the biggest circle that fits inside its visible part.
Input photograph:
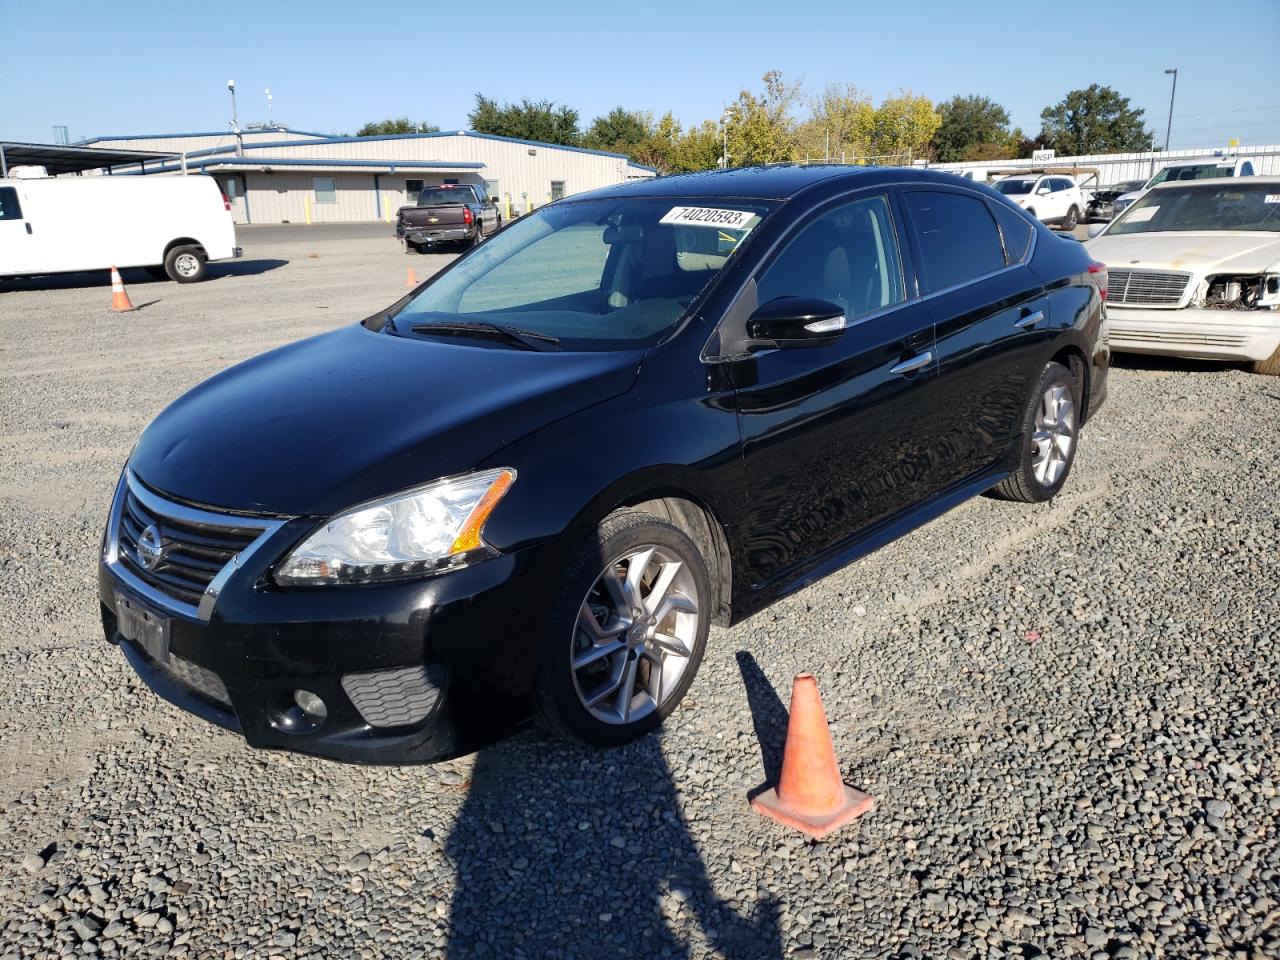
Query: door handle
(1029, 320)
(913, 364)
(28, 229)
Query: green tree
(395, 125)
(761, 128)
(620, 130)
(904, 126)
(1095, 120)
(841, 124)
(670, 149)
(971, 124)
(540, 120)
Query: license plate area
(145, 628)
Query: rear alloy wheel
(185, 264)
(1072, 218)
(1050, 427)
(625, 640)
(1269, 367)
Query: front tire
(1269, 367)
(626, 634)
(185, 264)
(1071, 219)
(1050, 428)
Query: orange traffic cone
(810, 795)
(411, 280)
(120, 301)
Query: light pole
(1172, 93)
(235, 120)
(724, 129)
(270, 120)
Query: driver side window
(848, 255)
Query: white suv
(1052, 198)
(1206, 168)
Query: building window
(452, 180)
(326, 189)
(411, 190)
(557, 190)
(493, 188)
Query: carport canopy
(58, 158)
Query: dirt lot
(1067, 712)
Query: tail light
(226, 202)
(467, 218)
(1099, 271)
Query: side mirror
(1094, 229)
(797, 322)
(1041, 190)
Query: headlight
(424, 530)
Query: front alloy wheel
(627, 634)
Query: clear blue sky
(145, 67)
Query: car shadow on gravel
(133, 276)
(564, 852)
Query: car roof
(778, 182)
(1236, 182)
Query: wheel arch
(679, 500)
(1072, 357)
(183, 242)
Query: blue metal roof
(321, 162)
(323, 138)
(204, 133)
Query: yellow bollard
(386, 208)
(508, 196)
(306, 203)
(529, 201)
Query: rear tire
(1032, 211)
(1071, 219)
(1269, 367)
(626, 633)
(1048, 438)
(185, 264)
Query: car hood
(320, 425)
(1199, 253)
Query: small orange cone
(810, 795)
(120, 301)
(411, 280)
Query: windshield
(430, 197)
(1193, 171)
(1013, 186)
(593, 274)
(1234, 206)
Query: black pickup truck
(451, 213)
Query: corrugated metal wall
(191, 144)
(280, 197)
(1115, 167)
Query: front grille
(396, 698)
(195, 545)
(1178, 339)
(1146, 287)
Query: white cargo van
(171, 225)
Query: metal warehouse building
(291, 176)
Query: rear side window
(10, 209)
(958, 238)
(1015, 231)
(1247, 169)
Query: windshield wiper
(526, 339)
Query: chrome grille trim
(207, 548)
(1153, 288)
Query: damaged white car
(1194, 271)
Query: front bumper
(409, 672)
(1189, 332)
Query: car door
(990, 316)
(835, 437)
(18, 240)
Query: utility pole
(1172, 93)
(270, 122)
(724, 128)
(235, 120)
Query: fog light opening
(303, 712)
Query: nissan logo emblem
(150, 547)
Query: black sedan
(531, 485)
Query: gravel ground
(1067, 712)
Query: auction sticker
(708, 217)
(1271, 198)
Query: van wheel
(1050, 429)
(1269, 367)
(185, 264)
(626, 634)
(1071, 219)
